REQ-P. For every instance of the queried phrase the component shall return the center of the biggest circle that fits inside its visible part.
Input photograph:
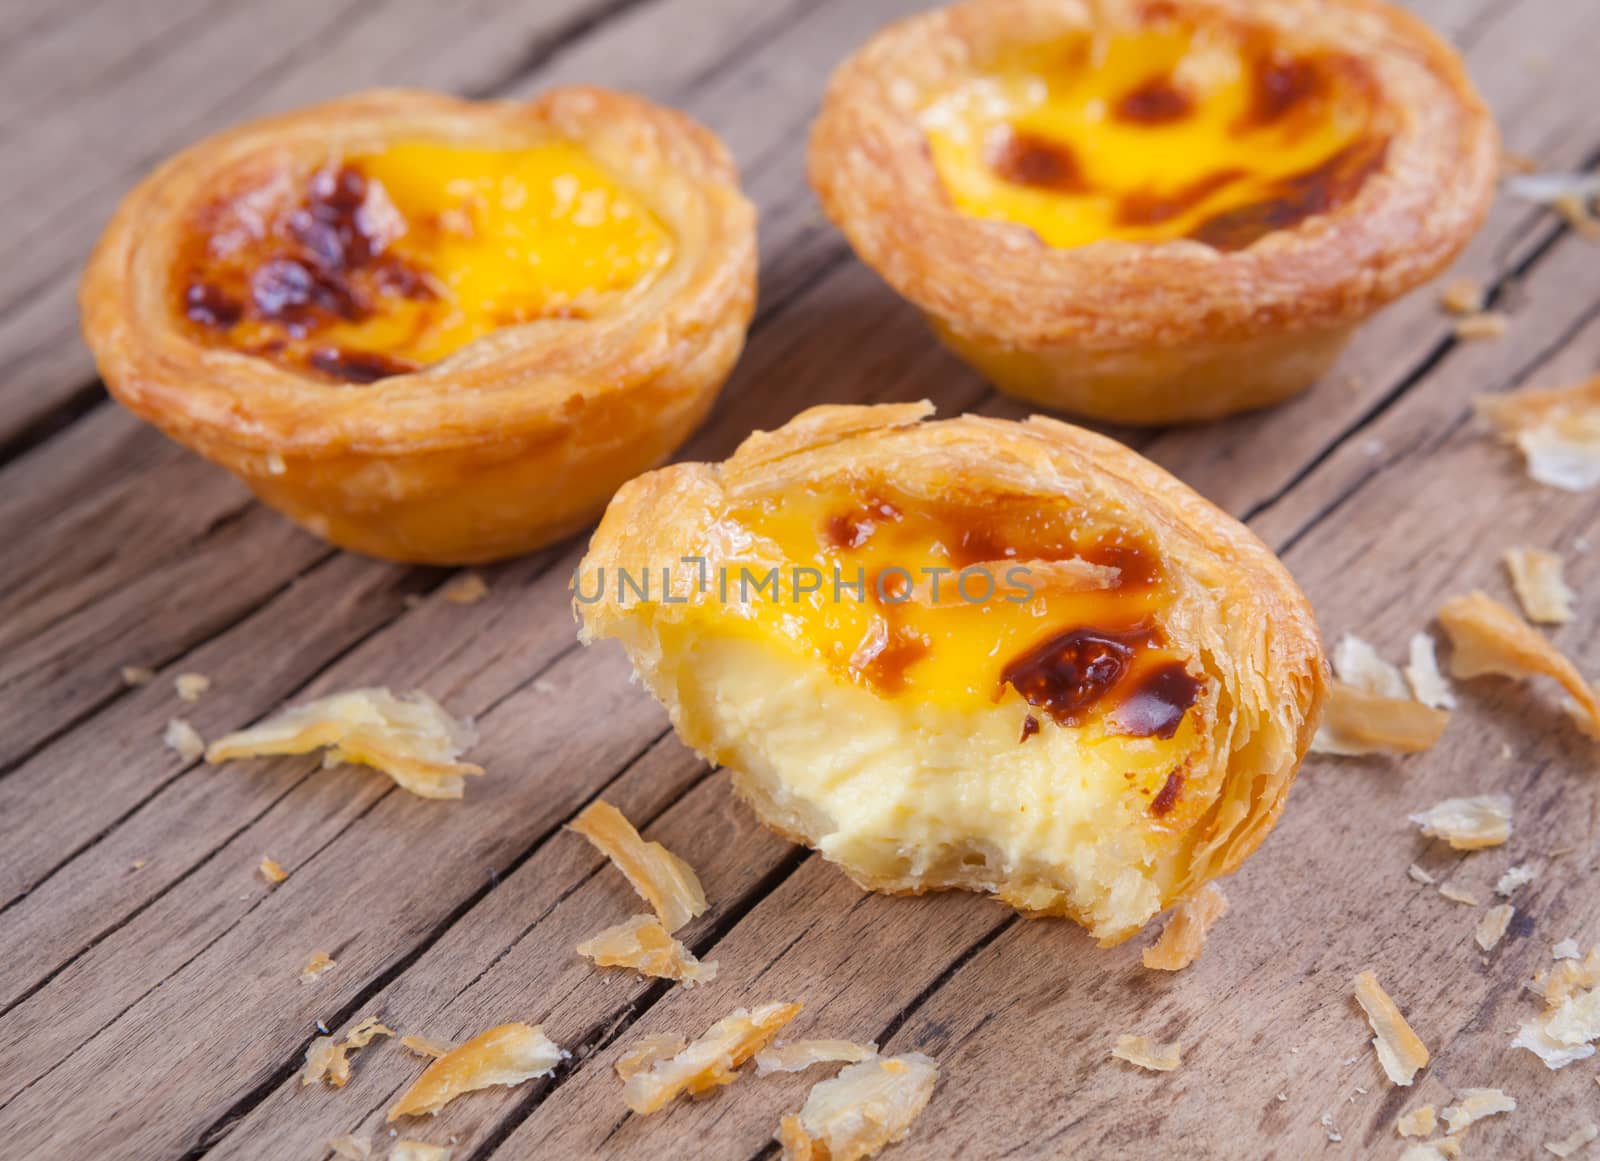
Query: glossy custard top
(1044, 613)
(1215, 134)
(385, 262)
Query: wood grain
(155, 1012)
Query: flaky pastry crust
(1237, 613)
(1167, 331)
(510, 443)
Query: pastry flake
(1536, 577)
(799, 1055)
(1419, 1122)
(1053, 183)
(1557, 430)
(351, 1147)
(406, 1149)
(1468, 824)
(1492, 927)
(317, 966)
(184, 740)
(653, 1078)
(1570, 1024)
(271, 870)
(1491, 639)
(425, 328)
(1428, 684)
(662, 879)
(1519, 876)
(1473, 1105)
(1357, 722)
(411, 738)
(506, 1055)
(643, 944)
(1169, 711)
(328, 1057)
(191, 687)
(1146, 1053)
(1573, 1142)
(425, 1047)
(1400, 1051)
(1184, 937)
(866, 1107)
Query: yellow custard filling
(1164, 132)
(1005, 618)
(388, 261)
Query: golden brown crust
(1238, 611)
(1152, 332)
(453, 463)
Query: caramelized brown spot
(1136, 568)
(854, 528)
(1296, 198)
(1167, 798)
(1025, 158)
(1278, 86)
(1148, 208)
(358, 366)
(882, 661)
(1072, 671)
(1156, 102)
(211, 306)
(1030, 727)
(1155, 707)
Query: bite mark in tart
(1015, 658)
(1154, 211)
(427, 328)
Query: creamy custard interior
(1026, 729)
(384, 262)
(1167, 131)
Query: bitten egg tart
(426, 328)
(1015, 658)
(1154, 211)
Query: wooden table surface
(149, 1001)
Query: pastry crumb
(1458, 895)
(1491, 639)
(406, 1149)
(644, 945)
(134, 676)
(1462, 296)
(1484, 324)
(1400, 1050)
(1428, 684)
(411, 738)
(710, 1062)
(1468, 824)
(508, 1055)
(271, 870)
(1566, 949)
(1556, 429)
(191, 686)
(1519, 876)
(328, 1059)
(1418, 875)
(351, 1147)
(466, 590)
(799, 1055)
(1565, 1032)
(1419, 1122)
(1184, 937)
(866, 1107)
(1473, 1105)
(1146, 1053)
(1356, 723)
(1492, 927)
(1574, 1141)
(1536, 578)
(319, 964)
(662, 879)
(184, 740)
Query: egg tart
(1154, 211)
(1015, 658)
(425, 328)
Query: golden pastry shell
(1241, 605)
(513, 441)
(1152, 332)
